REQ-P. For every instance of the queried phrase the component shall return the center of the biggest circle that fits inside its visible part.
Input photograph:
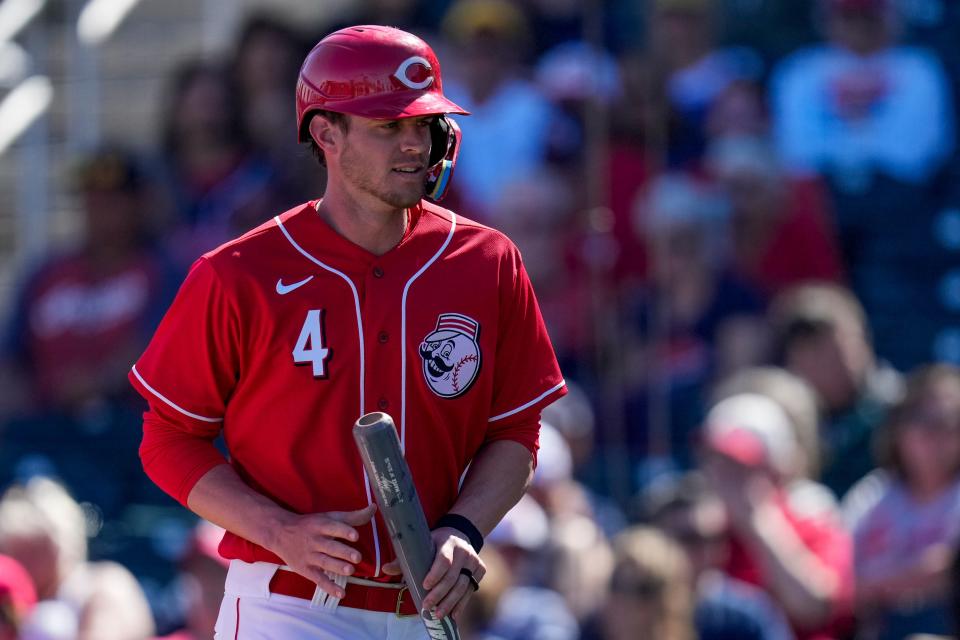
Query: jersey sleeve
(187, 374)
(175, 457)
(527, 377)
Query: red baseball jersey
(285, 336)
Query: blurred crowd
(742, 221)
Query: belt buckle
(400, 602)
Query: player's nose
(415, 139)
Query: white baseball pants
(250, 612)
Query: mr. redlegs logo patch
(451, 355)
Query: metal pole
(605, 303)
(83, 89)
(660, 313)
(220, 18)
(33, 176)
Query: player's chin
(402, 198)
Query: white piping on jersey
(529, 404)
(356, 303)
(403, 332)
(170, 402)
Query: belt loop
(323, 599)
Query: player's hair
(335, 118)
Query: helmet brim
(398, 105)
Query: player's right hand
(311, 544)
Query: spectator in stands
(481, 610)
(637, 136)
(820, 333)
(576, 559)
(780, 231)
(216, 180)
(264, 66)
(84, 314)
(847, 106)
(201, 572)
(579, 563)
(802, 557)
(692, 323)
(682, 44)
(574, 417)
(557, 22)
(738, 111)
(531, 613)
(18, 596)
(578, 490)
(505, 138)
(581, 81)
(726, 609)
(650, 592)
(905, 543)
(798, 399)
(526, 606)
(537, 214)
(44, 529)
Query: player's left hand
(448, 591)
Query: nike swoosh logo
(284, 289)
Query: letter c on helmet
(401, 72)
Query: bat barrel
(379, 446)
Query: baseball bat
(399, 504)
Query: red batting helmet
(374, 72)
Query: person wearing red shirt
(787, 538)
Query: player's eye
(392, 124)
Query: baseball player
(370, 299)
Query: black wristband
(464, 526)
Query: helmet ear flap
(439, 139)
(445, 147)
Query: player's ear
(326, 133)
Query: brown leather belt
(388, 598)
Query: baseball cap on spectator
(468, 19)
(753, 430)
(554, 462)
(18, 596)
(108, 169)
(675, 200)
(575, 71)
(525, 526)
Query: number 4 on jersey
(309, 348)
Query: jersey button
(383, 404)
(383, 336)
(377, 272)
